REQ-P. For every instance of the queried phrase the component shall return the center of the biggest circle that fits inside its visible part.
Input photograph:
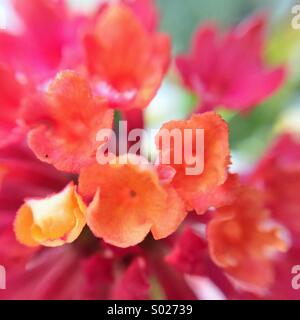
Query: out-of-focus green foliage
(283, 41)
(251, 133)
(180, 18)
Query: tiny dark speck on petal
(132, 193)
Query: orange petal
(129, 202)
(219, 197)
(129, 76)
(253, 275)
(65, 126)
(52, 221)
(238, 234)
(167, 222)
(213, 155)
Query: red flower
(22, 168)
(13, 255)
(64, 122)
(189, 254)
(134, 283)
(129, 76)
(278, 175)
(228, 70)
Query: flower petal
(146, 11)
(129, 202)
(134, 283)
(129, 76)
(189, 254)
(238, 236)
(65, 125)
(278, 175)
(52, 221)
(228, 69)
(218, 197)
(213, 156)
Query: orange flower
(240, 241)
(128, 75)
(64, 122)
(212, 155)
(52, 221)
(128, 202)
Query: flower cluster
(72, 228)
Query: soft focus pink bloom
(228, 69)
(134, 284)
(187, 260)
(26, 176)
(278, 174)
(184, 257)
(13, 255)
(11, 93)
(49, 31)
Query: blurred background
(250, 134)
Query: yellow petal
(52, 221)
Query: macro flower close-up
(149, 150)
